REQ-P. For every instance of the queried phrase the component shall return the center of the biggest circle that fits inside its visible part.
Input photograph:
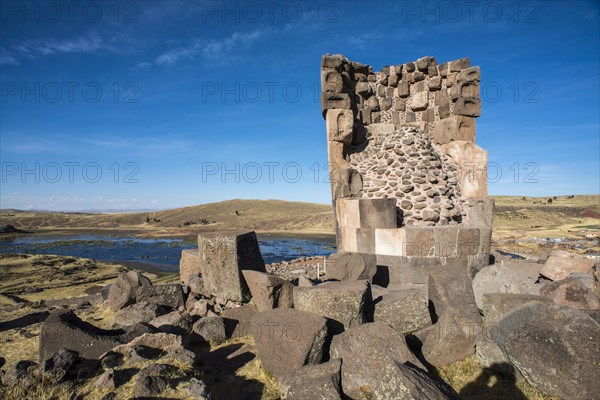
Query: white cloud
(215, 50)
(6, 57)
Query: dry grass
(525, 217)
(473, 382)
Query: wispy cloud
(7, 57)
(213, 50)
(90, 42)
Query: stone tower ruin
(408, 182)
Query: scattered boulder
(136, 313)
(127, 288)
(495, 305)
(500, 279)
(452, 338)
(405, 311)
(342, 302)
(106, 380)
(269, 291)
(20, 372)
(222, 258)
(287, 339)
(189, 267)
(490, 345)
(64, 329)
(576, 290)
(527, 269)
(195, 285)
(155, 346)
(324, 382)
(168, 295)
(377, 364)
(558, 351)
(195, 388)
(238, 321)
(562, 263)
(303, 281)
(150, 381)
(451, 286)
(56, 368)
(210, 330)
(173, 322)
(344, 266)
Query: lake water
(161, 253)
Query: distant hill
(516, 216)
(259, 215)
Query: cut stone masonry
(406, 136)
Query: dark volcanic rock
(287, 339)
(64, 329)
(558, 351)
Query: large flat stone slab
(222, 258)
(286, 339)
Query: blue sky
(153, 105)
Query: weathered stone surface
(339, 125)
(322, 381)
(460, 64)
(331, 81)
(195, 389)
(57, 367)
(345, 182)
(136, 313)
(269, 291)
(575, 291)
(499, 279)
(419, 101)
(155, 346)
(450, 286)
(366, 213)
(490, 345)
(174, 322)
(471, 74)
(210, 330)
(303, 281)
(343, 266)
(63, 329)
(455, 127)
(596, 275)
(562, 263)
(128, 288)
(20, 372)
(469, 106)
(168, 295)
(377, 364)
(150, 381)
(238, 321)
(405, 311)
(343, 302)
(106, 380)
(452, 338)
(558, 351)
(189, 265)
(471, 161)
(331, 100)
(287, 339)
(222, 257)
(495, 305)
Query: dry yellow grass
(473, 382)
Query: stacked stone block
(406, 132)
(406, 135)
